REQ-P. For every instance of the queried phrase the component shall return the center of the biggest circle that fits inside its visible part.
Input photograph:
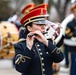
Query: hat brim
(40, 22)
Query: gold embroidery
(70, 34)
(67, 30)
(17, 61)
(58, 51)
(21, 59)
(22, 28)
(54, 50)
(22, 39)
(41, 13)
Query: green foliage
(5, 10)
(38, 1)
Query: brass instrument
(53, 33)
(8, 36)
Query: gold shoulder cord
(21, 59)
(22, 39)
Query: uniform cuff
(51, 47)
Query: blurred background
(58, 10)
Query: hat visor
(40, 22)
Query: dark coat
(21, 32)
(73, 64)
(37, 61)
(72, 26)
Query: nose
(43, 26)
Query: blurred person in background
(15, 19)
(12, 18)
(70, 35)
(66, 53)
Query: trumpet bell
(54, 31)
(51, 27)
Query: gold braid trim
(22, 39)
(70, 34)
(22, 28)
(21, 59)
(67, 30)
(54, 50)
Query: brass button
(43, 69)
(39, 49)
(40, 53)
(42, 64)
(57, 51)
(38, 45)
(42, 58)
(47, 53)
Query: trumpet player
(35, 54)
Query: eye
(41, 24)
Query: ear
(29, 28)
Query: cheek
(38, 28)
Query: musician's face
(35, 27)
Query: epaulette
(22, 39)
(22, 28)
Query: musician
(35, 55)
(71, 35)
(32, 6)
